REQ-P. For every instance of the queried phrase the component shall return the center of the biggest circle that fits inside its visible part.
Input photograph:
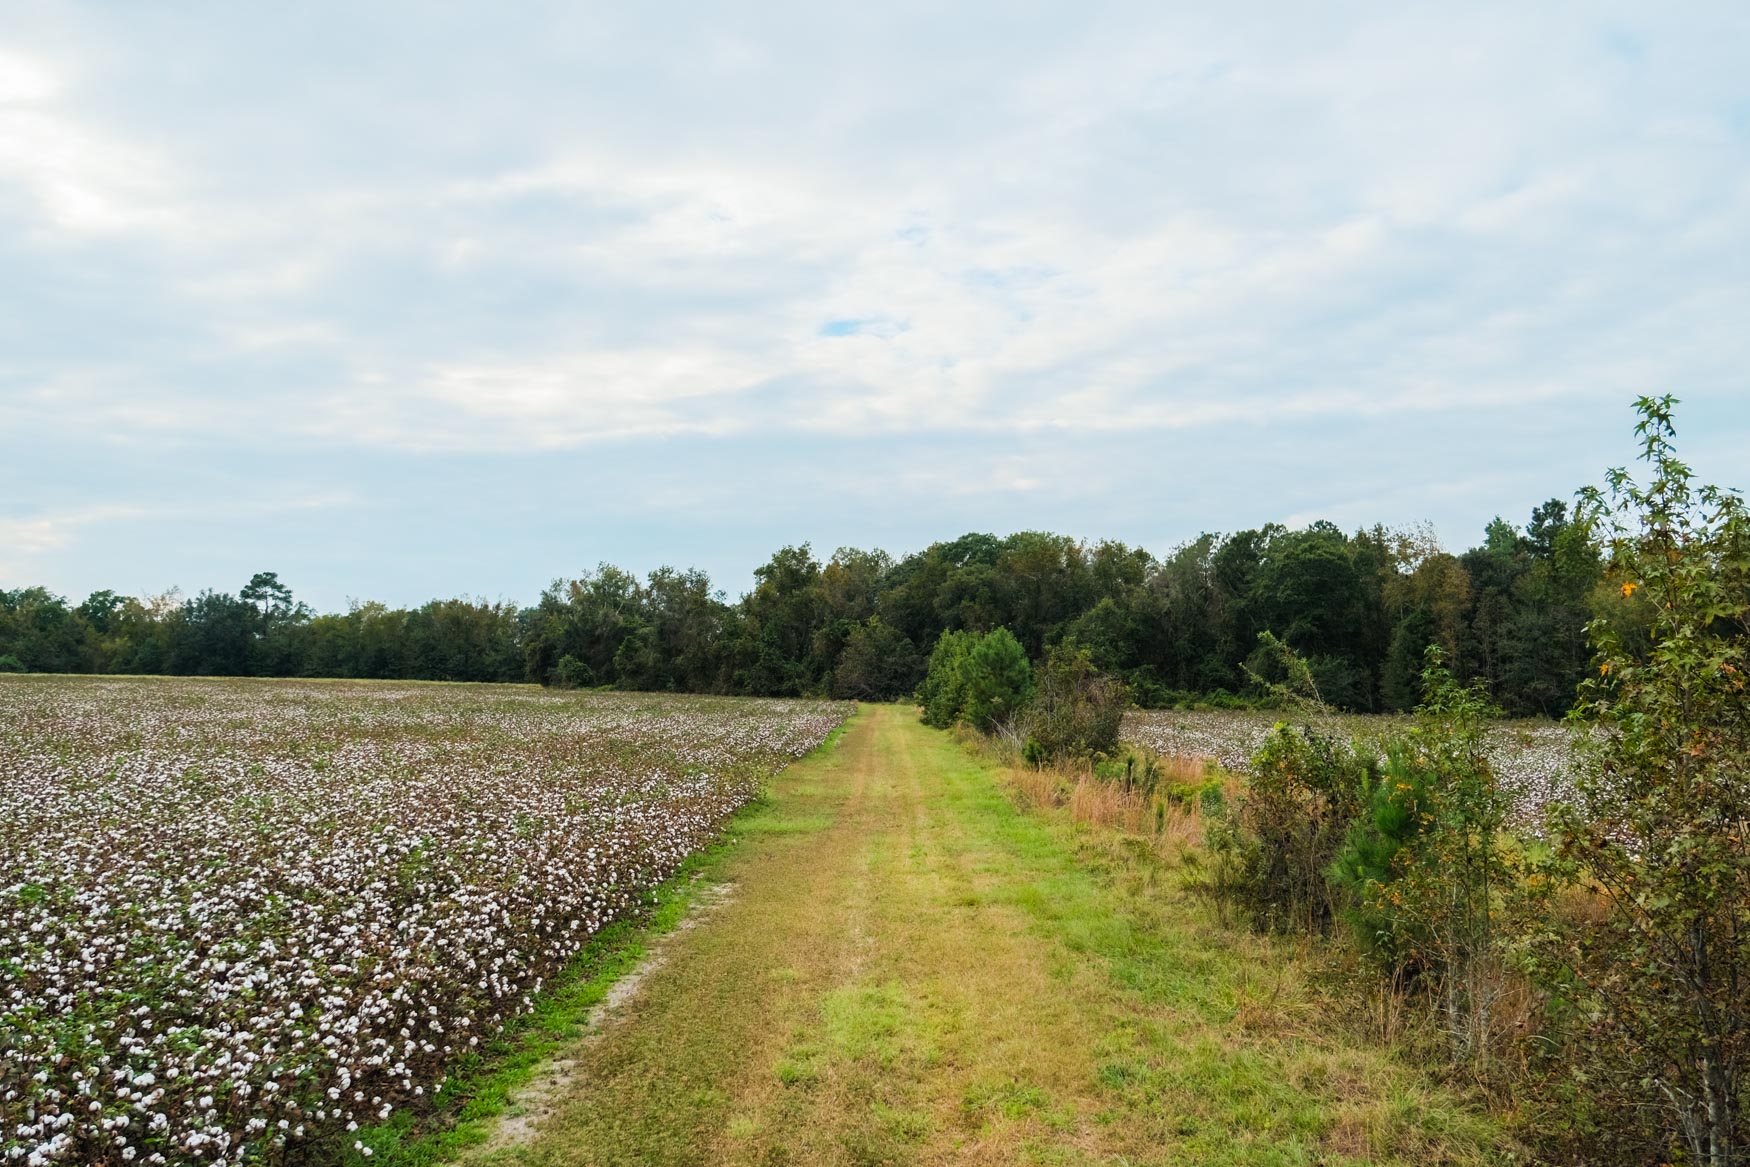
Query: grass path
(912, 970)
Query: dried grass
(1169, 824)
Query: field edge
(562, 1009)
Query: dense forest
(1361, 608)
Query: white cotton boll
(329, 844)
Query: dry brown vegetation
(1167, 824)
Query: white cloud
(81, 179)
(28, 537)
(25, 80)
(990, 225)
(27, 542)
(572, 401)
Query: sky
(409, 300)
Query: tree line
(1361, 608)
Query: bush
(1147, 691)
(943, 691)
(1136, 772)
(571, 673)
(1222, 699)
(1369, 861)
(1076, 711)
(999, 680)
(981, 680)
(1428, 880)
(1276, 848)
(1657, 836)
(1185, 783)
(11, 664)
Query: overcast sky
(406, 300)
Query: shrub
(999, 680)
(1077, 709)
(1136, 772)
(980, 680)
(1277, 846)
(1369, 861)
(571, 673)
(1427, 876)
(1223, 700)
(1181, 783)
(943, 692)
(11, 664)
(1280, 678)
(1658, 833)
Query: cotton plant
(241, 919)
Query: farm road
(912, 970)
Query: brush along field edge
(913, 969)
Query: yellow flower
(1628, 589)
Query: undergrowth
(1150, 842)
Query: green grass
(915, 969)
(481, 1090)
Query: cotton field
(238, 920)
(1531, 759)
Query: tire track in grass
(913, 970)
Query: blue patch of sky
(1628, 45)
